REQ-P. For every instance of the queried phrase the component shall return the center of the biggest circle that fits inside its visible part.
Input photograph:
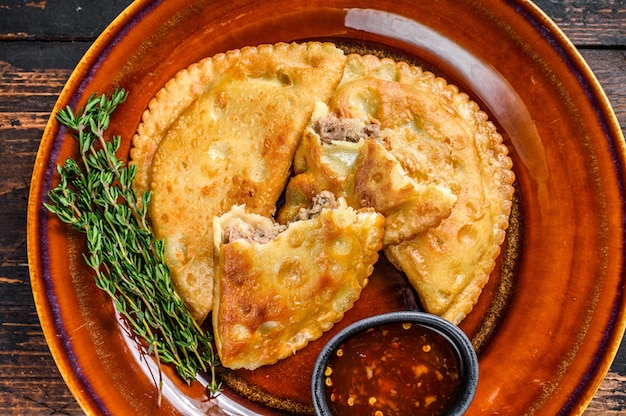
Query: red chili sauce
(393, 369)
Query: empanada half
(349, 157)
(277, 288)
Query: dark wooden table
(40, 43)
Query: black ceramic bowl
(449, 336)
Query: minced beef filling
(252, 234)
(333, 128)
(324, 199)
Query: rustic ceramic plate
(549, 324)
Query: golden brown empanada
(437, 132)
(224, 132)
(384, 134)
(279, 287)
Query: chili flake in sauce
(393, 369)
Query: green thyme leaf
(96, 197)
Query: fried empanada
(434, 130)
(349, 158)
(224, 132)
(385, 134)
(279, 287)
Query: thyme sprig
(96, 198)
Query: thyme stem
(98, 200)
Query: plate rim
(92, 58)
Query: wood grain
(36, 58)
(29, 379)
(22, 20)
(610, 398)
(609, 66)
(589, 23)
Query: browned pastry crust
(275, 292)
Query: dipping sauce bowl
(398, 363)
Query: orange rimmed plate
(563, 314)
